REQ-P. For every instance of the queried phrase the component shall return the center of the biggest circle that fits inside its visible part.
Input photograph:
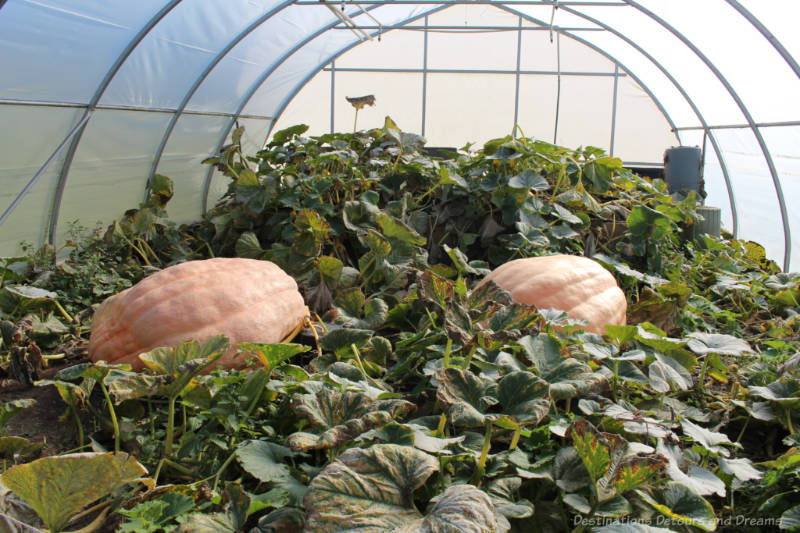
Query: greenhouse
(367, 182)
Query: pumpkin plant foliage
(421, 399)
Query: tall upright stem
(480, 468)
(111, 413)
(170, 427)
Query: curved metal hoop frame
(72, 141)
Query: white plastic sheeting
(96, 95)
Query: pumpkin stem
(469, 357)
(113, 415)
(447, 352)
(62, 311)
(515, 439)
(440, 430)
(170, 427)
(312, 324)
(360, 365)
(480, 468)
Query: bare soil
(47, 421)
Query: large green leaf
(710, 440)
(176, 369)
(373, 490)
(684, 506)
(341, 417)
(272, 355)
(395, 230)
(646, 222)
(248, 246)
(465, 396)
(263, 460)
(155, 515)
(31, 293)
(696, 478)
(339, 341)
(741, 468)
(460, 509)
(666, 371)
(637, 422)
(58, 487)
(784, 392)
(705, 343)
(615, 507)
(504, 492)
(523, 397)
(568, 377)
(171, 361)
(529, 180)
(569, 471)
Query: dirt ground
(45, 421)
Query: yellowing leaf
(60, 486)
(635, 471)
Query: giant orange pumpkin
(575, 284)
(244, 299)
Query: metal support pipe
(767, 35)
(679, 87)
(614, 110)
(787, 237)
(44, 167)
(333, 93)
(108, 107)
(200, 79)
(377, 3)
(461, 29)
(58, 196)
(516, 80)
(424, 77)
(477, 71)
(743, 126)
(558, 86)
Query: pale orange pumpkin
(575, 284)
(244, 299)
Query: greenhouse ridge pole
(746, 112)
(689, 100)
(200, 79)
(478, 71)
(101, 89)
